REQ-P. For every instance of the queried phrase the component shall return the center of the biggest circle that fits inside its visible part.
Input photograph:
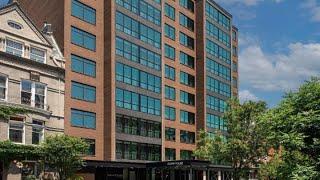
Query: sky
(279, 45)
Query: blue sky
(279, 45)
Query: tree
(64, 154)
(245, 144)
(294, 127)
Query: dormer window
(15, 48)
(14, 25)
(37, 55)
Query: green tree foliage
(64, 153)
(294, 127)
(245, 144)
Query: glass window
(216, 104)
(187, 137)
(83, 119)
(83, 65)
(16, 131)
(170, 72)
(218, 69)
(186, 155)
(187, 98)
(83, 39)
(188, 4)
(170, 32)
(92, 146)
(37, 131)
(170, 134)
(143, 9)
(3, 87)
(170, 11)
(186, 59)
(186, 40)
(83, 92)
(170, 93)
(140, 31)
(217, 16)
(169, 52)
(186, 22)
(170, 113)
(83, 12)
(137, 54)
(170, 154)
(187, 79)
(234, 35)
(37, 55)
(136, 126)
(137, 102)
(135, 77)
(33, 94)
(218, 86)
(15, 48)
(187, 117)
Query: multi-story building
(142, 78)
(31, 77)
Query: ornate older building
(31, 77)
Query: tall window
(187, 137)
(37, 131)
(170, 134)
(170, 72)
(170, 32)
(170, 93)
(83, 119)
(16, 130)
(3, 87)
(137, 102)
(186, 60)
(83, 12)
(170, 12)
(187, 79)
(170, 113)
(186, 22)
(187, 117)
(169, 52)
(92, 146)
(83, 92)
(187, 98)
(33, 94)
(188, 4)
(186, 40)
(83, 66)
(15, 48)
(170, 154)
(83, 39)
(186, 155)
(37, 55)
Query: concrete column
(219, 175)
(204, 173)
(125, 174)
(190, 174)
(172, 174)
(153, 174)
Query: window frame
(6, 87)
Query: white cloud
(278, 72)
(246, 95)
(314, 9)
(245, 2)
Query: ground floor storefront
(170, 170)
